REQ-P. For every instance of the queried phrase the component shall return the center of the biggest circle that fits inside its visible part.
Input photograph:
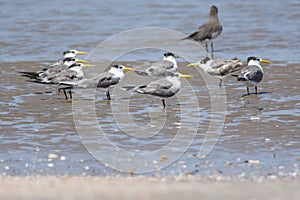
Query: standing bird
(164, 88)
(220, 68)
(208, 31)
(105, 80)
(74, 73)
(65, 65)
(161, 68)
(66, 54)
(253, 73)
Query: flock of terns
(68, 71)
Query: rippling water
(36, 121)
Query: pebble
(272, 177)
(163, 158)
(281, 167)
(7, 167)
(267, 139)
(52, 156)
(50, 164)
(63, 158)
(254, 118)
(252, 161)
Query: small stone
(86, 167)
(281, 167)
(50, 164)
(7, 167)
(272, 177)
(52, 156)
(252, 161)
(163, 158)
(63, 158)
(267, 139)
(254, 118)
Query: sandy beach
(179, 187)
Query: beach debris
(163, 158)
(252, 161)
(62, 158)
(52, 156)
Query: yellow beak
(88, 65)
(265, 61)
(193, 65)
(185, 76)
(81, 53)
(177, 56)
(82, 61)
(129, 69)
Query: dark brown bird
(208, 31)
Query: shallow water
(36, 121)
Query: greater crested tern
(220, 68)
(208, 31)
(66, 64)
(253, 73)
(105, 80)
(74, 73)
(73, 53)
(66, 54)
(162, 68)
(163, 88)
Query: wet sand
(64, 187)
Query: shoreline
(145, 187)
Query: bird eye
(72, 51)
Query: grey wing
(223, 67)
(217, 63)
(65, 76)
(54, 70)
(161, 68)
(107, 79)
(204, 32)
(251, 73)
(160, 88)
(217, 30)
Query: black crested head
(117, 66)
(69, 51)
(169, 54)
(252, 58)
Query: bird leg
(65, 93)
(70, 92)
(255, 89)
(164, 103)
(206, 46)
(220, 84)
(108, 95)
(212, 49)
(248, 90)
